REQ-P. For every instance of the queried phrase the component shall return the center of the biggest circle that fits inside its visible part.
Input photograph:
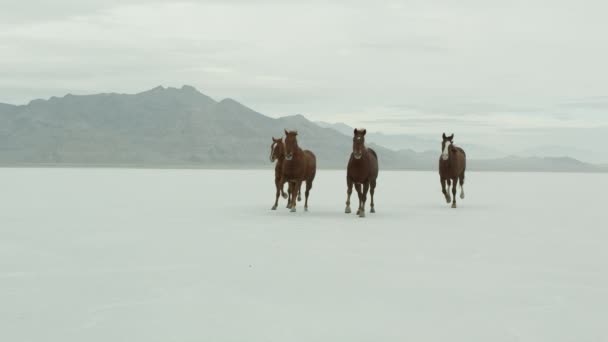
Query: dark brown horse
(452, 164)
(277, 153)
(362, 171)
(299, 166)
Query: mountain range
(181, 127)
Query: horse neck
(451, 162)
(364, 152)
(296, 150)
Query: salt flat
(196, 255)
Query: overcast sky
(470, 66)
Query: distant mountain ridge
(182, 127)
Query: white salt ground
(197, 255)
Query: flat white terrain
(196, 255)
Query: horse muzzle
(289, 156)
(357, 155)
(444, 157)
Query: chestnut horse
(299, 166)
(362, 170)
(452, 164)
(277, 153)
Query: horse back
(453, 168)
(373, 159)
(311, 164)
(461, 158)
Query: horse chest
(358, 172)
(447, 169)
(293, 169)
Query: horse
(452, 165)
(362, 170)
(299, 166)
(277, 153)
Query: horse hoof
(448, 200)
(306, 209)
(293, 210)
(372, 211)
(347, 210)
(362, 214)
(274, 207)
(462, 195)
(299, 199)
(284, 195)
(453, 205)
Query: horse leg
(283, 191)
(446, 195)
(446, 189)
(308, 187)
(461, 185)
(276, 200)
(372, 189)
(300, 192)
(358, 189)
(295, 194)
(289, 191)
(454, 186)
(364, 198)
(349, 190)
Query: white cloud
(320, 59)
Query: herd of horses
(295, 166)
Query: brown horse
(452, 164)
(277, 153)
(299, 166)
(362, 170)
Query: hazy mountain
(159, 127)
(171, 127)
(512, 163)
(557, 151)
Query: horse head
(447, 146)
(359, 142)
(291, 144)
(277, 149)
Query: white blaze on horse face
(272, 148)
(445, 154)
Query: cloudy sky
(478, 67)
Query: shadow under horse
(362, 171)
(299, 166)
(452, 165)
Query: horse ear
(286, 131)
(355, 132)
(452, 136)
(364, 131)
(444, 137)
(295, 132)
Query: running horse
(277, 153)
(299, 166)
(362, 171)
(452, 164)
